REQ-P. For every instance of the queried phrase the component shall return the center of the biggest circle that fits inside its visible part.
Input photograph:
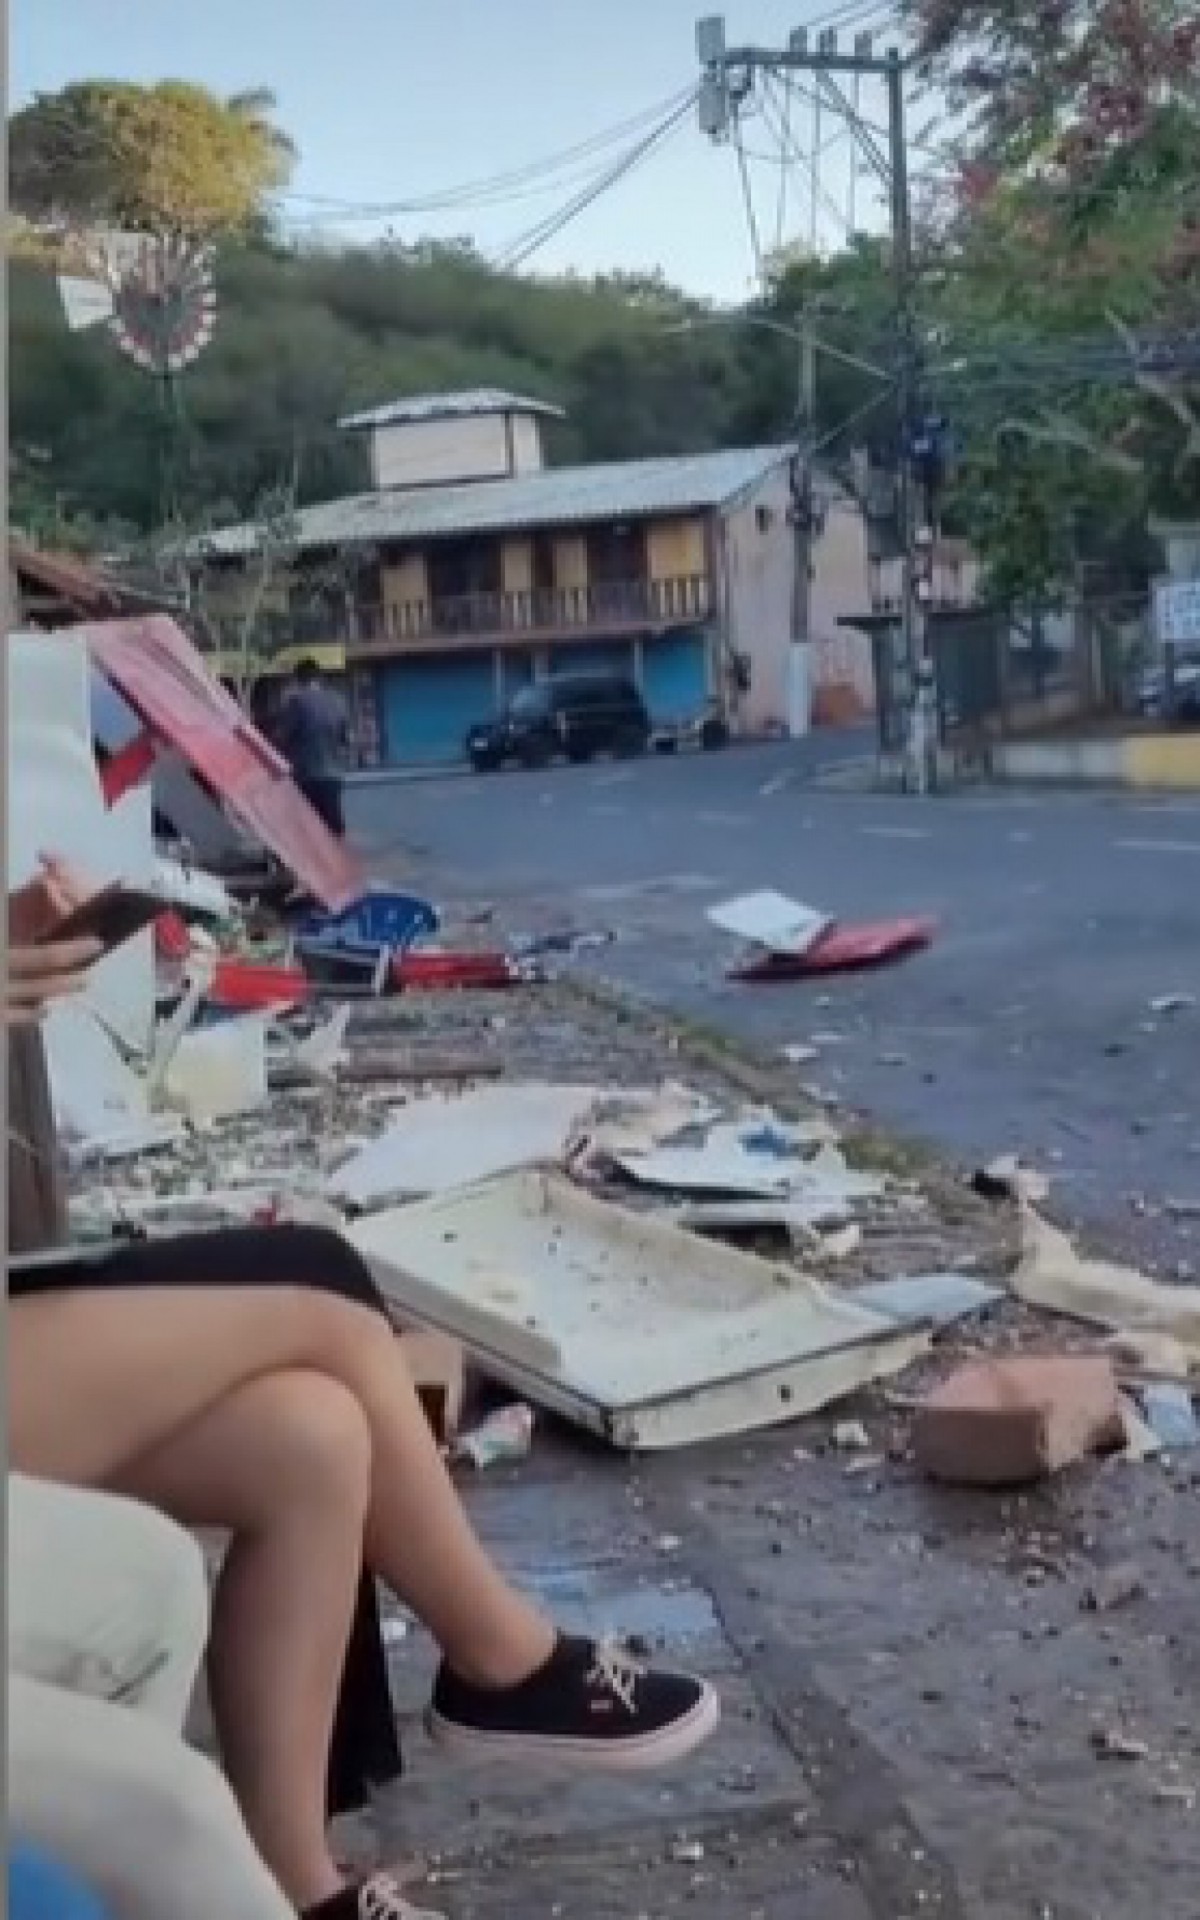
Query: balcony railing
(560, 610)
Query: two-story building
(472, 567)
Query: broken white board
(622, 1322)
(100, 1104)
(936, 1299)
(728, 1162)
(771, 921)
(56, 805)
(445, 1140)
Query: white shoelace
(615, 1669)
(382, 1898)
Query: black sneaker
(379, 1898)
(591, 1703)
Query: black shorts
(325, 799)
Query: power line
(748, 206)
(526, 245)
(531, 176)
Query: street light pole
(800, 674)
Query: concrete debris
(503, 1438)
(1053, 1276)
(1156, 1354)
(1008, 1178)
(1011, 1422)
(841, 1243)
(1114, 1587)
(542, 1283)
(798, 1055)
(850, 1436)
(1113, 1743)
(324, 1051)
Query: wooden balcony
(496, 619)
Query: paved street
(1029, 1025)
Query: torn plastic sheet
(726, 1162)
(542, 1283)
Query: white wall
(424, 453)
(755, 573)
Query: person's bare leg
(130, 1367)
(284, 1463)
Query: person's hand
(39, 975)
(56, 890)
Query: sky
(398, 100)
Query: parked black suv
(576, 714)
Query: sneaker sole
(638, 1755)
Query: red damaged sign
(164, 678)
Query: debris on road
(939, 1299)
(1012, 1422)
(543, 1283)
(773, 922)
(504, 1437)
(1169, 1003)
(1114, 1587)
(1170, 1415)
(1052, 1275)
(1009, 1178)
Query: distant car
(577, 715)
(1152, 695)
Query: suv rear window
(529, 703)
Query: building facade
(472, 567)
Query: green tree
(166, 159)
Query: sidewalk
(920, 1702)
(1140, 762)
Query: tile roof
(555, 497)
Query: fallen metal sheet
(445, 1140)
(844, 949)
(178, 796)
(772, 921)
(164, 679)
(1052, 1275)
(934, 1299)
(622, 1322)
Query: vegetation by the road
(1060, 221)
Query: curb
(1141, 763)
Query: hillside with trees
(1064, 236)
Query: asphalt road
(1028, 1026)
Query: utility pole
(804, 524)
(726, 82)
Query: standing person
(314, 737)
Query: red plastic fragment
(844, 949)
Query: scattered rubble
(1006, 1423)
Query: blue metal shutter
(428, 705)
(675, 675)
(611, 656)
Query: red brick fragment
(1007, 1422)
